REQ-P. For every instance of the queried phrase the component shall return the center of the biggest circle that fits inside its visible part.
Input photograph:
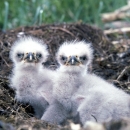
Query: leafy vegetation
(16, 13)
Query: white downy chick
(76, 91)
(102, 101)
(29, 77)
(74, 58)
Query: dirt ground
(111, 61)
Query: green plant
(16, 13)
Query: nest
(111, 62)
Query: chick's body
(70, 76)
(102, 101)
(78, 92)
(29, 78)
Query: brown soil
(111, 61)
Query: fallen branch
(120, 13)
(107, 17)
(123, 72)
(63, 29)
(119, 31)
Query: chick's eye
(63, 58)
(20, 55)
(39, 55)
(83, 58)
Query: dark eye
(20, 55)
(63, 58)
(38, 55)
(83, 58)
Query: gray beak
(30, 57)
(73, 60)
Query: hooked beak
(73, 61)
(30, 57)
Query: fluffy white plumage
(101, 101)
(29, 78)
(74, 58)
(74, 48)
(77, 92)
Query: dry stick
(17, 111)
(124, 8)
(119, 82)
(25, 127)
(4, 60)
(120, 13)
(127, 83)
(107, 17)
(3, 80)
(62, 29)
(119, 31)
(1, 77)
(123, 72)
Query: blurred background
(14, 13)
